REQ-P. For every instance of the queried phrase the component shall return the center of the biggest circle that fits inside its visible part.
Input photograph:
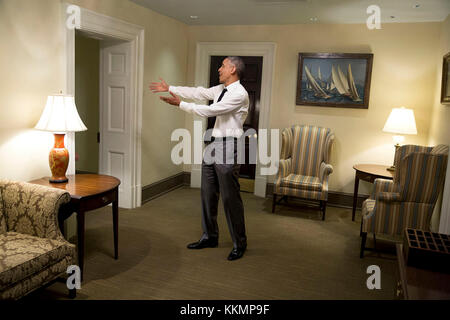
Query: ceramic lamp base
(59, 160)
(64, 180)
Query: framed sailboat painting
(334, 79)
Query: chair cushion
(296, 181)
(21, 256)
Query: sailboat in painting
(339, 81)
(351, 83)
(322, 83)
(344, 84)
(318, 91)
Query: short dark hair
(238, 64)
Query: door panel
(116, 112)
(115, 134)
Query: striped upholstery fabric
(409, 200)
(393, 217)
(440, 149)
(284, 168)
(308, 149)
(403, 151)
(421, 175)
(296, 181)
(304, 170)
(286, 143)
(382, 185)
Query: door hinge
(98, 137)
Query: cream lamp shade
(401, 121)
(60, 115)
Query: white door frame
(202, 65)
(96, 23)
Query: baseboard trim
(154, 190)
(161, 187)
(335, 198)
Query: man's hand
(173, 100)
(159, 86)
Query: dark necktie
(215, 118)
(222, 94)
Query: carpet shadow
(294, 209)
(135, 246)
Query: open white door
(116, 101)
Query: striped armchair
(407, 201)
(304, 164)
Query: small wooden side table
(88, 192)
(368, 172)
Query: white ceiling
(245, 12)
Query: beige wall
(404, 74)
(87, 95)
(440, 119)
(31, 61)
(31, 68)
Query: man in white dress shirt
(230, 108)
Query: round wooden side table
(88, 192)
(368, 172)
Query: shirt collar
(233, 85)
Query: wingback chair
(33, 252)
(304, 164)
(407, 201)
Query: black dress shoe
(205, 243)
(236, 253)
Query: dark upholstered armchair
(33, 252)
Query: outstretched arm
(198, 93)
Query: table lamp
(401, 121)
(60, 116)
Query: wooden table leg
(355, 195)
(80, 236)
(115, 206)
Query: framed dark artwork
(334, 79)
(445, 91)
